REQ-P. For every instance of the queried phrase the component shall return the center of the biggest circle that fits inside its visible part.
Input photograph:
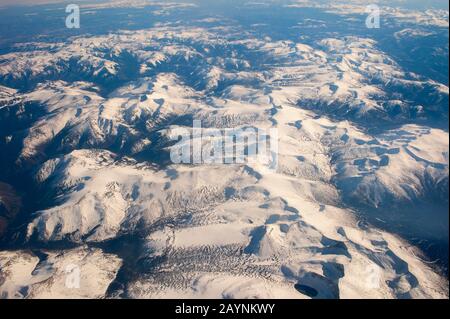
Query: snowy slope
(226, 233)
(282, 228)
(24, 275)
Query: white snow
(25, 276)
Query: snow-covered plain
(94, 115)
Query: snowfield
(24, 274)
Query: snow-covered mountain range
(360, 191)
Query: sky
(439, 4)
(29, 2)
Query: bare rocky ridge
(10, 205)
